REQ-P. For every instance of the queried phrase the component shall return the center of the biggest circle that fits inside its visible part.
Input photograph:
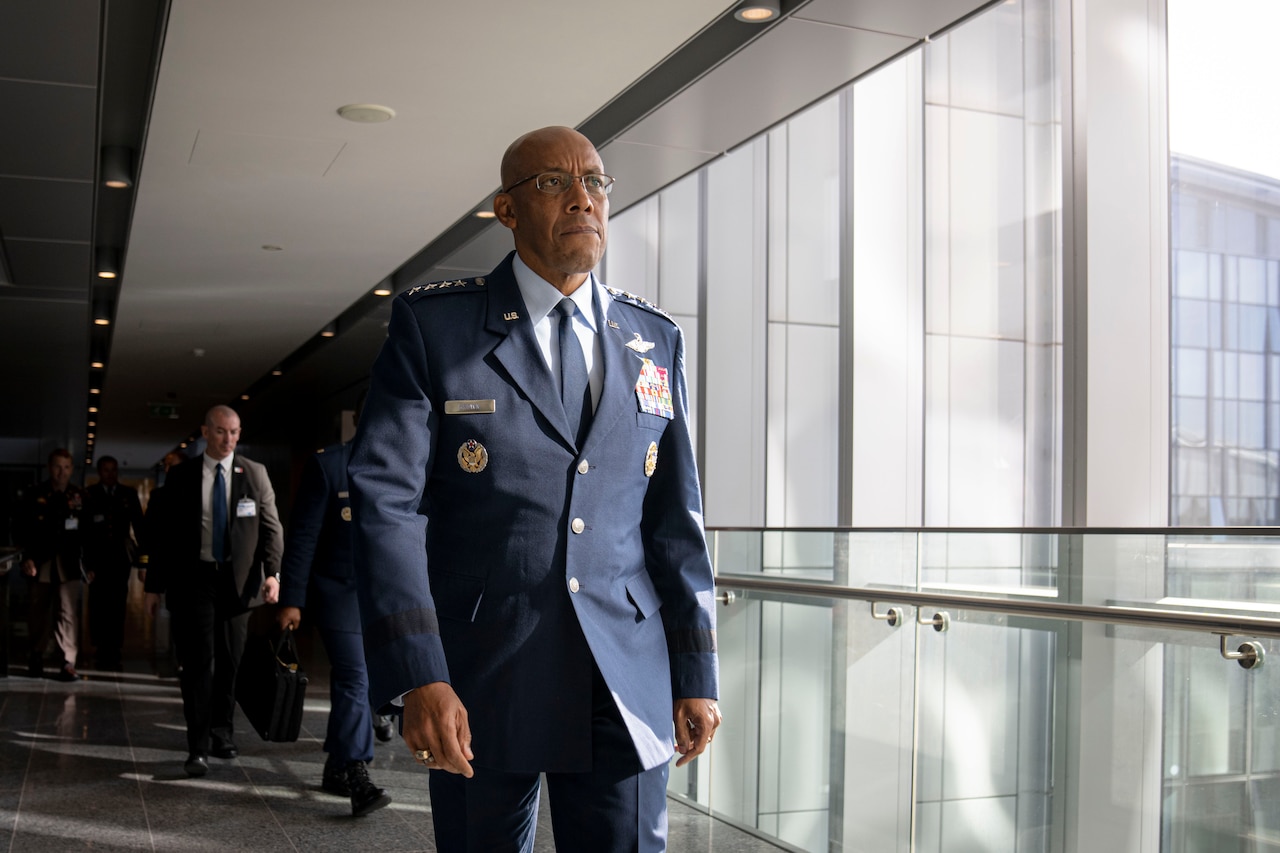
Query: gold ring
(424, 755)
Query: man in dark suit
(51, 533)
(534, 577)
(317, 574)
(215, 554)
(115, 518)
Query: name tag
(343, 495)
(246, 508)
(470, 407)
(72, 524)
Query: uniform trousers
(65, 596)
(616, 807)
(350, 733)
(209, 625)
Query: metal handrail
(1149, 617)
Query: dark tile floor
(98, 765)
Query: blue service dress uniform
(317, 576)
(529, 573)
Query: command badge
(346, 513)
(472, 456)
(651, 459)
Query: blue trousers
(350, 733)
(617, 807)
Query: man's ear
(505, 209)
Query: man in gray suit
(216, 554)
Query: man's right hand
(435, 720)
(29, 568)
(288, 618)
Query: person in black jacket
(50, 533)
(114, 516)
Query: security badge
(472, 456)
(653, 390)
(651, 459)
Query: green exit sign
(168, 411)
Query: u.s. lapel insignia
(511, 315)
(651, 459)
(472, 456)
(639, 345)
(346, 513)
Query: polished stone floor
(98, 765)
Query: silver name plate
(469, 407)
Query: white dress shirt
(540, 300)
(206, 501)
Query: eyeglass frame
(580, 179)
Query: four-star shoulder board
(638, 301)
(447, 286)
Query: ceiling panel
(913, 18)
(45, 210)
(55, 130)
(44, 267)
(763, 84)
(66, 50)
(639, 168)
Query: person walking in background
(533, 570)
(114, 516)
(51, 532)
(317, 575)
(215, 549)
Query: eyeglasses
(555, 183)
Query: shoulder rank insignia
(638, 301)
(460, 284)
(639, 344)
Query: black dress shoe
(67, 673)
(196, 765)
(224, 749)
(335, 778)
(365, 796)
(383, 728)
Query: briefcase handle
(286, 641)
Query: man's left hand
(696, 723)
(271, 590)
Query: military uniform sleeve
(676, 553)
(305, 525)
(390, 463)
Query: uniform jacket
(493, 554)
(51, 531)
(317, 573)
(174, 533)
(112, 521)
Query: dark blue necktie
(219, 515)
(575, 391)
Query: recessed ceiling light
(93, 423)
(330, 330)
(90, 436)
(93, 408)
(485, 214)
(366, 113)
(96, 365)
(244, 396)
(95, 390)
(277, 372)
(101, 321)
(757, 12)
(382, 291)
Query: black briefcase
(270, 687)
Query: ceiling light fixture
(117, 167)
(102, 321)
(96, 365)
(244, 396)
(366, 113)
(93, 409)
(95, 391)
(276, 371)
(486, 214)
(757, 12)
(382, 291)
(107, 262)
(330, 330)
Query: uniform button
(578, 525)
(573, 584)
(583, 467)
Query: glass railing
(997, 690)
